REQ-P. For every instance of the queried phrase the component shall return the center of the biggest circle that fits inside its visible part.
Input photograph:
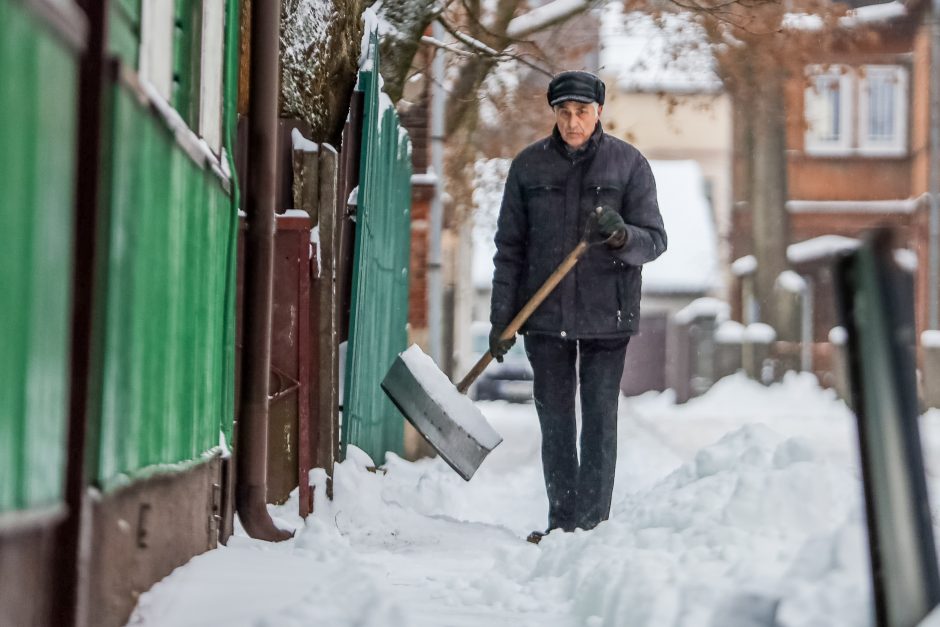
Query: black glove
(500, 347)
(612, 227)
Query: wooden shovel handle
(563, 269)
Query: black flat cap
(577, 86)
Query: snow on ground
(736, 507)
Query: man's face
(576, 121)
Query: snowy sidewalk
(726, 508)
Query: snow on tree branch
(544, 16)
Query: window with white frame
(860, 111)
(212, 64)
(156, 44)
(828, 105)
(883, 110)
(182, 54)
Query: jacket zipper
(619, 302)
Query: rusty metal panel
(290, 340)
(165, 520)
(28, 562)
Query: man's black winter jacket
(550, 192)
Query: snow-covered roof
(644, 54)
(871, 14)
(690, 264)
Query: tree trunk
(768, 190)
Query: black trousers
(579, 492)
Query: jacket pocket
(537, 191)
(605, 196)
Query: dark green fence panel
(163, 357)
(37, 135)
(379, 315)
(124, 30)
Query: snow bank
(739, 508)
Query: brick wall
(415, 117)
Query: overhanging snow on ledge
(903, 205)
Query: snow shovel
(443, 414)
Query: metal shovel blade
(447, 419)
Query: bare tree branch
(478, 47)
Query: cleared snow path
(738, 509)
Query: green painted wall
(163, 357)
(37, 135)
(124, 30)
(379, 312)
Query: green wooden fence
(37, 161)
(162, 357)
(162, 384)
(379, 312)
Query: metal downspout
(252, 444)
(230, 121)
(435, 278)
(933, 176)
(71, 542)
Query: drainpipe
(72, 546)
(933, 272)
(252, 444)
(435, 279)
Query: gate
(379, 309)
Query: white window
(828, 103)
(856, 111)
(882, 123)
(212, 64)
(156, 44)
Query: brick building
(857, 158)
